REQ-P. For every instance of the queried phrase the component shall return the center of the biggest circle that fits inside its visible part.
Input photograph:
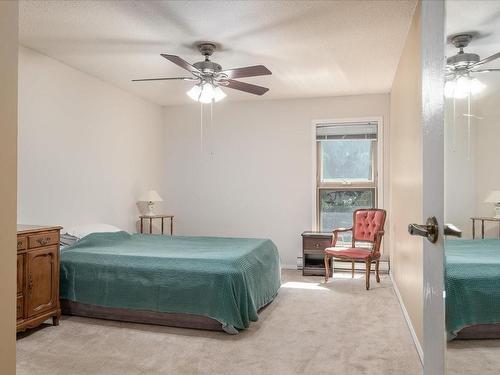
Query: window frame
(377, 168)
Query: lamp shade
(150, 196)
(493, 197)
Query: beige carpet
(468, 357)
(311, 328)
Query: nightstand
(313, 246)
(157, 217)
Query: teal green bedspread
(227, 279)
(472, 283)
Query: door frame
(433, 64)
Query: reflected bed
(472, 288)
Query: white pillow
(81, 231)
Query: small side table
(162, 217)
(482, 220)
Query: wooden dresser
(37, 276)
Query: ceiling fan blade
(180, 62)
(485, 70)
(165, 79)
(247, 87)
(487, 60)
(247, 71)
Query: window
(346, 172)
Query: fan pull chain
(201, 128)
(454, 128)
(468, 126)
(212, 128)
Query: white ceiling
(313, 48)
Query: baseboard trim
(408, 320)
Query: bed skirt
(141, 316)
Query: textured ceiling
(313, 48)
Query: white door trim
(433, 64)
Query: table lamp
(151, 197)
(494, 197)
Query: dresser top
(22, 229)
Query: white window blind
(365, 130)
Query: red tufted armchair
(368, 227)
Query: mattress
(226, 279)
(472, 283)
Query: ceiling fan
(209, 76)
(462, 67)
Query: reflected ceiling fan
(462, 67)
(209, 77)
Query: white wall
(255, 175)
(406, 178)
(460, 166)
(86, 149)
(8, 134)
(470, 178)
(488, 154)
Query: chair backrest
(366, 224)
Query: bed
(472, 288)
(196, 282)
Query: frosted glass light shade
(459, 88)
(207, 93)
(150, 196)
(219, 94)
(194, 93)
(493, 197)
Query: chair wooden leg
(352, 270)
(377, 263)
(368, 271)
(327, 268)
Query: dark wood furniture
(482, 219)
(313, 246)
(367, 228)
(37, 276)
(162, 217)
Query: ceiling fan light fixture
(460, 87)
(206, 93)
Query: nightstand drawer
(43, 239)
(319, 244)
(21, 243)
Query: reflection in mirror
(472, 186)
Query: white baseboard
(408, 321)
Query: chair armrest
(342, 230)
(336, 234)
(378, 241)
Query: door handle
(429, 230)
(451, 230)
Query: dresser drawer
(21, 242)
(43, 239)
(20, 307)
(315, 243)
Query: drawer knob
(43, 241)
(317, 245)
